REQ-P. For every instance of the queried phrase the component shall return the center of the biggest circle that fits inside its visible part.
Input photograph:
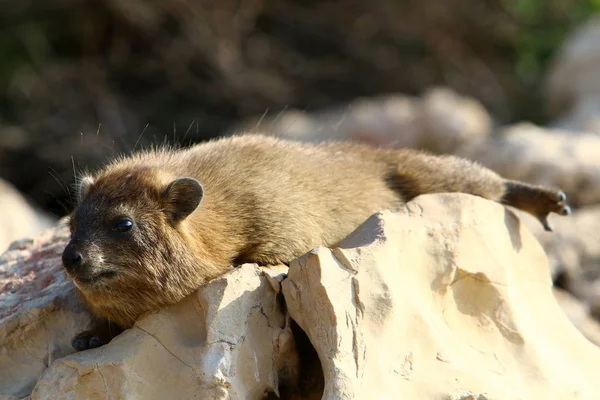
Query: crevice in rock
(280, 299)
(310, 382)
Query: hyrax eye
(123, 225)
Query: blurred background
(80, 81)
(513, 84)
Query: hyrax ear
(182, 197)
(83, 187)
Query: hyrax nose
(71, 257)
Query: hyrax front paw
(88, 340)
(102, 331)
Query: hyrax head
(125, 227)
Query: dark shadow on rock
(311, 382)
(513, 226)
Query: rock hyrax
(152, 227)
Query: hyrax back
(153, 227)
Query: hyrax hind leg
(419, 173)
(536, 200)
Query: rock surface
(579, 315)
(450, 297)
(573, 251)
(451, 121)
(229, 340)
(573, 248)
(39, 311)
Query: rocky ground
(450, 297)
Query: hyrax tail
(418, 173)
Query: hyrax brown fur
(152, 227)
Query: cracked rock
(39, 311)
(448, 298)
(452, 302)
(228, 340)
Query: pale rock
(18, 219)
(546, 157)
(573, 250)
(573, 247)
(290, 124)
(39, 311)
(229, 340)
(574, 253)
(573, 83)
(450, 298)
(392, 120)
(451, 121)
(584, 117)
(579, 315)
(441, 121)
